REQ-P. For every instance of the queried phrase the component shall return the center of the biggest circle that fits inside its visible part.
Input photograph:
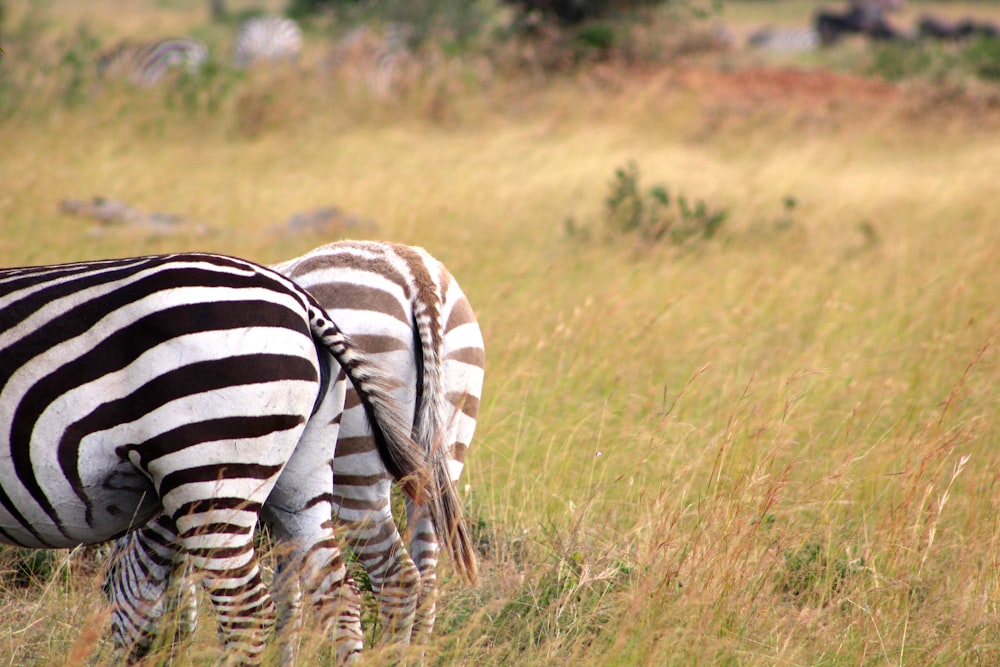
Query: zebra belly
(118, 500)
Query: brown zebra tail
(449, 521)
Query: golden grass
(777, 447)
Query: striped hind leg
(216, 535)
(300, 515)
(311, 566)
(394, 578)
(362, 507)
(144, 584)
(425, 550)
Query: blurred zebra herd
(383, 59)
(260, 40)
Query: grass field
(773, 446)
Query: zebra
(392, 60)
(784, 40)
(146, 64)
(197, 386)
(409, 314)
(404, 308)
(381, 62)
(267, 38)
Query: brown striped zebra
(410, 317)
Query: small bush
(597, 36)
(79, 53)
(982, 55)
(654, 215)
(897, 61)
(812, 575)
(204, 90)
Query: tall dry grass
(773, 447)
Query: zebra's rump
(118, 372)
(267, 38)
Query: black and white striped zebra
(392, 61)
(146, 64)
(784, 40)
(197, 386)
(409, 315)
(380, 61)
(267, 38)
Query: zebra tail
(450, 522)
(405, 460)
(430, 427)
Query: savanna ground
(769, 443)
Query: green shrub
(812, 575)
(897, 60)
(982, 56)
(203, 90)
(599, 36)
(654, 215)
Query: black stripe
(217, 528)
(216, 472)
(220, 503)
(226, 428)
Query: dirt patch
(802, 89)
(803, 98)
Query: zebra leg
(219, 543)
(362, 506)
(299, 512)
(312, 563)
(424, 548)
(143, 566)
(394, 577)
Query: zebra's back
(267, 38)
(145, 64)
(411, 317)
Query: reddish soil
(785, 86)
(816, 96)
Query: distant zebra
(147, 64)
(195, 385)
(392, 60)
(267, 38)
(380, 61)
(784, 40)
(412, 319)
